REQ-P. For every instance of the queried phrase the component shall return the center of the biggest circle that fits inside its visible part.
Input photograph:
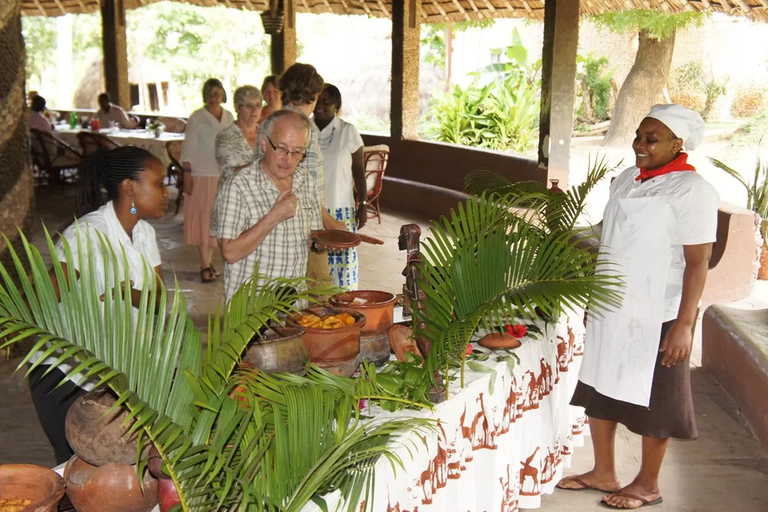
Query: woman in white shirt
(135, 182)
(342, 149)
(658, 229)
(236, 144)
(201, 173)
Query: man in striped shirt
(269, 209)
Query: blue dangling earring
(133, 208)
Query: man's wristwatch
(313, 246)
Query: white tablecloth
(499, 448)
(140, 138)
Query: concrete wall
(426, 178)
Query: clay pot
(275, 352)
(42, 486)
(379, 310)
(167, 494)
(97, 437)
(401, 341)
(375, 348)
(336, 350)
(113, 487)
(499, 340)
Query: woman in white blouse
(201, 173)
(342, 149)
(236, 144)
(135, 182)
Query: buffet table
(501, 442)
(144, 139)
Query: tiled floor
(724, 470)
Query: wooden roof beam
(475, 9)
(365, 7)
(527, 6)
(439, 7)
(383, 8)
(461, 10)
(489, 6)
(61, 7)
(40, 8)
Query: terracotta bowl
(112, 487)
(379, 309)
(275, 352)
(332, 347)
(499, 340)
(42, 486)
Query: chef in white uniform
(658, 229)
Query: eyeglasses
(250, 106)
(298, 155)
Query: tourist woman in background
(236, 144)
(270, 89)
(658, 229)
(201, 173)
(135, 182)
(342, 149)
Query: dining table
(145, 139)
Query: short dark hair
(300, 84)
(38, 103)
(210, 84)
(334, 94)
(272, 80)
(104, 96)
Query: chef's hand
(285, 205)
(121, 290)
(677, 344)
(361, 216)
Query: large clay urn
(98, 437)
(278, 350)
(112, 487)
(379, 310)
(41, 488)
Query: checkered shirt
(246, 198)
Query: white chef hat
(685, 123)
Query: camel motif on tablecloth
(529, 471)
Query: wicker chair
(175, 170)
(90, 142)
(52, 157)
(173, 124)
(376, 159)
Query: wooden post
(283, 47)
(115, 52)
(404, 109)
(558, 75)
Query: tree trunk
(642, 88)
(16, 185)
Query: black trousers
(52, 406)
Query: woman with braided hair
(135, 183)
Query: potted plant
(228, 438)
(507, 252)
(757, 201)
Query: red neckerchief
(678, 164)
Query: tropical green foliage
(498, 110)
(596, 87)
(246, 441)
(493, 260)
(757, 189)
(657, 23)
(690, 80)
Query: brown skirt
(670, 413)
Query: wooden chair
(173, 124)
(175, 170)
(90, 142)
(375, 159)
(51, 157)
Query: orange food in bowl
(14, 505)
(327, 321)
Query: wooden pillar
(115, 52)
(404, 107)
(558, 75)
(283, 47)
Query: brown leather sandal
(207, 275)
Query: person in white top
(109, 112)
(342, 149)
(658, 229)
(202, 172)
(135, 182)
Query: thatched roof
(432, 11)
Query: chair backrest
(135, 119)
(173, 148)
(40, 154)
(90, 142)
(173, 124)
(376, 159)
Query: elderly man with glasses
(270, 208)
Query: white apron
(622, 345)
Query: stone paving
(726, 469)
